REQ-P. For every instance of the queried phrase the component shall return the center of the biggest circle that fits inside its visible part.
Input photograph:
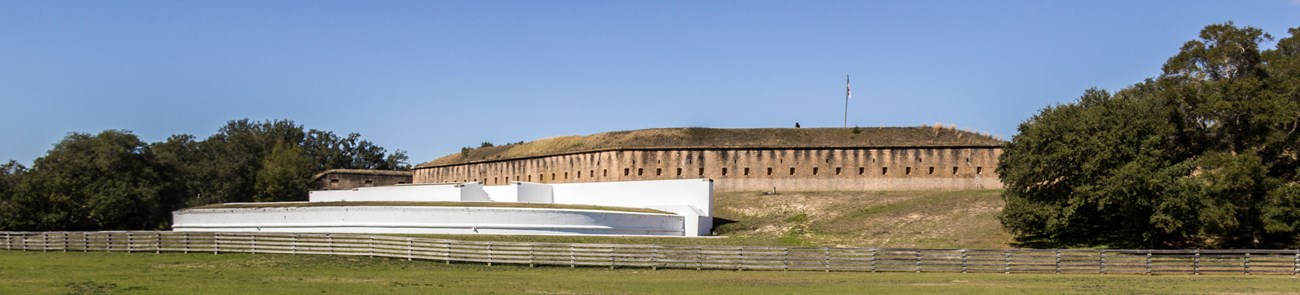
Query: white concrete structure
(429, 220)
(690, 201)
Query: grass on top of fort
(937, 136)
(195, 273)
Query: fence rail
(1104, 261)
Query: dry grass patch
(904, 219)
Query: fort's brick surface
(944, 166)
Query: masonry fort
(756, 159)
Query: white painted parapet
(692, 198)
(397, 193)
(689, 199)
(529, 192)
(428, 220)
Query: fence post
(654, 258)
(157, 242)
(1295, 266)
(185, 242)
(1006, 261)
(532, 256)
(370, 245)
(45, 242)
(216, 243)
(1103, 261)
(293, 244)
(917, 253)
(489, 253)
(785, 262)
(699, 257)
(447, 254)
(1246, 263)
(329, 243)
(826, 258)
(573, 260)
(1058, 261)
(410, 244)
(1148, 262)
(129, 240)
(65, 241)
(253, 248)
(963, 260)
(85, 242)
(740, 260)
(612, 261)
(873, 260)
(1196, 262)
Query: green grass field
(176, 273)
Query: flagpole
(848, 92)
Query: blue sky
(430, 77)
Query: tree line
(115, 181)
(1207, 154)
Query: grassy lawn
(175, 273)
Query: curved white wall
(428, 220)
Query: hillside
(897, 219)
(725, 138)
(902, 219)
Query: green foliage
(1203, 156)
(115, 181)
(87, 182)
(11, 175)
(486, 144)
(225, 166)
(285, 175)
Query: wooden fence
(1104, 261)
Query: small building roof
(361, 172)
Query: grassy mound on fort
(895, 219)
(727, 138)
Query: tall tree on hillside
(92, 182)
(226, 166)
(330, 151)
(11, 174)
(229, 160)
(285, 175)
(183, 160)
(1204, 155)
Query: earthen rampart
(748, 166)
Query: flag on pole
(848, 92)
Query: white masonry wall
(428, 220)
(691, 199)
(396, 193)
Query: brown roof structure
(719, 138)
(361, 172)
